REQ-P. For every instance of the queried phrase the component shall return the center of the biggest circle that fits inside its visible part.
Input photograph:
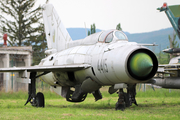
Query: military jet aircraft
(173, 14)
(76, 68)
(168, 76)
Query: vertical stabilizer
(173, 14)
(56, 34)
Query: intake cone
(141, 64)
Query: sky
(135, 16)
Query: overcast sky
(135, 16)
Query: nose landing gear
(126, 99)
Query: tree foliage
(118, 27)
(163, 58)
(173, 43)
(24, 28)
(93, 29)
(20, 26)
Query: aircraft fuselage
(110, 64)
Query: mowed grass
(152, 105)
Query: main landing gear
(79, 96)
(36, 100)
(126, 99)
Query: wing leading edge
(37, 68)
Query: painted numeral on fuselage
(102, 66)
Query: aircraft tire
(40, 99)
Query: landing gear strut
(79, 96)
(76, 96)
(126, 99)
(36, 100)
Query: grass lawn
(152, 105)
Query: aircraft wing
(38, 68)
(162, 72)
(163, 68)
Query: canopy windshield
(111, 35)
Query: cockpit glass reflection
(109, 37)
(120, 35)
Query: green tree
(173, 43)
(163, 58)
(24, 28)
(23, 18)
(93, 29)
(118, 27)
(39, 46)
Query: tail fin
(173, 14)
(56, 34)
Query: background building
(10, 57)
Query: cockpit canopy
(112, 35)
(101, 37)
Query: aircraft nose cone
(141, 64)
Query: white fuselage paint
(108, 61)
